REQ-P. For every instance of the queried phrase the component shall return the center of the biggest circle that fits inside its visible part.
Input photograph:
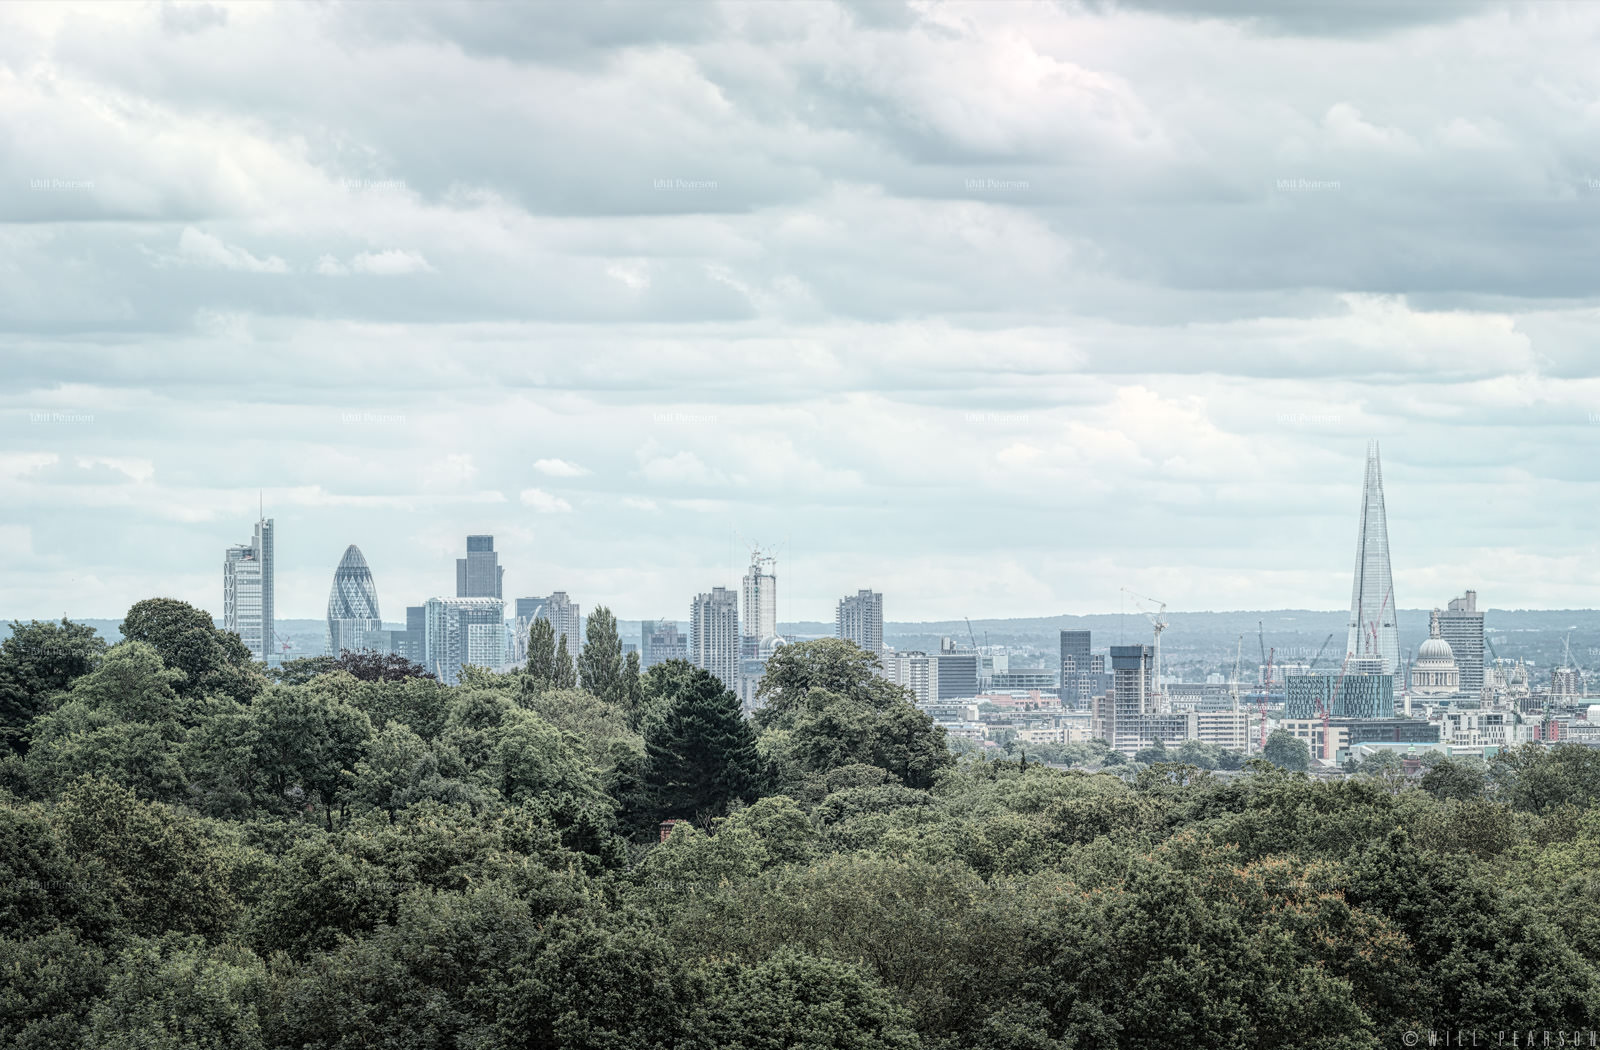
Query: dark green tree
(834, 664)
(542, 653)
(564, 675)
(600, 660)
(632, 690)
(1287, 751)
(37, 660)
(701, 754)
(212, 661)
(301, 670)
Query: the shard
(352, 605)
(1374, 634)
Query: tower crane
(1158, 620)
(1266, 684)
(970, 634)
(1318, 658)
(1238, 651)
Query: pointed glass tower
(1374, 633)
(352, 604)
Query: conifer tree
(701, 753)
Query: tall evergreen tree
(542, 652)
(631, 691)
(563, 675)
(701, 753)
(600, 661)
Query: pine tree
(701, 754)
(542, 652)
(600, 661)
(563, 675)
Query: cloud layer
(995, 308)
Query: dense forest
(350, 854)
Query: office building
(1022, 679)
(913, 670)
(714, 634)
(859, 619)
(1352, 732)
(247, 592)
(1374, 631)
(760, 602)
(462, 631)
(411, 643)
(1344, 696)
(1132, 670)
(479, 574)
(354, 622)
(1083, 674)
(660, 641)
(955, 675)
(1461, 624)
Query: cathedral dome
(1437, 651)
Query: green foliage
(212, 661)
(564, 675)
(700, 753)
(541, 665)
(1287, 751)
(37, 661)
(334, 862)
(600, 660)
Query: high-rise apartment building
(714, 634)
(1374, 629)
(247, 592)
(462, 631)
(353, 619)
(760, 602)
(479, 574)
(1461, 624)
(660, 641)
(1083, 673)
(859, 619)
(566, 618)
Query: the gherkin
(1374, 632)
(352, 605)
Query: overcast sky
(994, 308)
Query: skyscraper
(247, 592)
(714, 634)
(461, 631)
(566, 618)
(1461, 624)
(1374, 631)
(760, 601)
(353, 619)
(859, 619)
(479, 574)
(1132, 674)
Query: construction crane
(1238, 651)
(1266, 682)
(1318, 658)
(1158, 620)
(971, 635)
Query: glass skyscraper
(353, 619)
(247, 592)
(1374, 629)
